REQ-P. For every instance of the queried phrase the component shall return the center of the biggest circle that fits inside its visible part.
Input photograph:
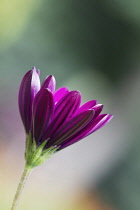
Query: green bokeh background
(92, 46)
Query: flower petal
(49, 83)
(102, 122)
(43, 108)
(98, 108)
(87, 105)
(72, 126)
(60, 93)
(91, 127)
(38, 71)
(29, 87)
(65, 108)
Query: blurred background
(92, 46)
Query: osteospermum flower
(54, 119)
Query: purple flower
(55, 118)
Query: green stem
(26, 173)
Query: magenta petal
(60, 93)
(102, 122)
(65, 108)
(98, 108)
(43, 107)
(69, 104)
(72, 126)
(91, 127)
(49, 83)
(87, 105)
(29, 87)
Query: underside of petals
(60, 93)
(29, 87)
(72, 126)
(43, 108)
(87, 105)
(91, 127)
(49, 83)
(64, 109)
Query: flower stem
(26, 173)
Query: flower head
(54, 119)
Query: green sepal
(28, 146)
(34, 155)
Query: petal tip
(50, 83)
(34, 68)
(38, 71)
(110, 116)
(76, 93)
